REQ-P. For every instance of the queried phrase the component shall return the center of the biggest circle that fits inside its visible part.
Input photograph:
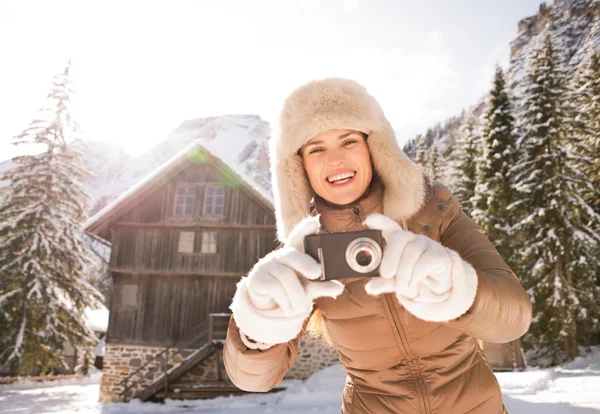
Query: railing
(219, 323)
(205, 336)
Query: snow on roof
(172, 161)
(97, 319)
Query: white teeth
(340, 177)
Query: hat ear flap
(403, 180)
(293, 193)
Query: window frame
(193, 241)
(214, 197)
(210, 242)
(135, 295)
(185, 197)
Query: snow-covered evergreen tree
(434, 163)
(465, 155)
(556, 240)
(421, 152)
(493, 192)
(447, 167)
(586, 99)
(43, 292)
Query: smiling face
(338, 165)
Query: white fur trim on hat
(336, 103)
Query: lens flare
(198, 155)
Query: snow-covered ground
(570, 389)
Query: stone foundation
(313, 355)
(121, 360)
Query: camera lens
(363, 255)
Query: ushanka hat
(336, 103)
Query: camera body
(346, 254)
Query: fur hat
(336, 103)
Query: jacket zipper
(356, 211)
(413, 369)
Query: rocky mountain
(241, 141)
(573, 23)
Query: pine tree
(556, 244)
(586, 100)
(433, 163)
(586, 130)
(447, 167)
(465, 154)
(493, 192)
(43, 292)
(421, 152)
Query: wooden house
(181, 240)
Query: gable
(151, 196)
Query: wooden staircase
(203, 390)
(206, 343)
(176, 372)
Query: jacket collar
(349, 217)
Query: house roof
(97, 223)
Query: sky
(141, 68)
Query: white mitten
(431, 281)
(271, 304)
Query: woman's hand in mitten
(431, 281)
(271, 304)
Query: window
(129, 296)
(186, 242)
(184, 200)
(209, 242)
(213, 200)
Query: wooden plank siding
(157, 250)
(169, 309)
(177, 291)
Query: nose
(335, 159)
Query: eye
(349, 142)
(315, 150)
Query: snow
(99, 349)
(571, 388)
(19, 341)
(97, 319)
(568, 389)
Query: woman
(407, 339)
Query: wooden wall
(169, 309)
(148, 250)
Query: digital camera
(346, 254)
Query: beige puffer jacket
(396, 363)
